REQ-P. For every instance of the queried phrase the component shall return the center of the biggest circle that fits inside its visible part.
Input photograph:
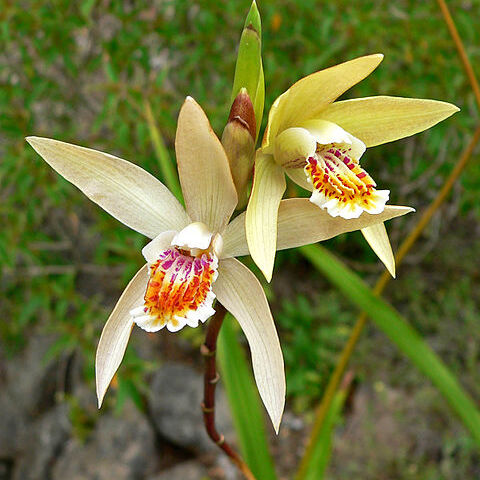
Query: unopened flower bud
(238, 140)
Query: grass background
(82, 71)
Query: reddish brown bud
(242, 112)
(238, 140)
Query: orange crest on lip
(179, 291)
(341, 185)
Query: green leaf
(322, 450)
(169, 173)
(127, 389)
(249, 69)
(399, 331)
(245, 404)
(86, 8)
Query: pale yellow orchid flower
(190, 259)
(318, 142)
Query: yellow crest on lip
(179, 291)
(341, 185)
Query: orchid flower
(190, 259)
(318, 143)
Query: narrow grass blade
(322, 450)
(245, 404)
(399, 332)
(167, 167)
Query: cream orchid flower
(318, 143)
(190, 260)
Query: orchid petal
(116, 333)
(293, 146)
(126, 191)
(299, 176)
(234, 238)
(382, 119)
(239, 291)
(300, 222)
(310, 95)
(377, 237)
(207, 184)
(261, 215)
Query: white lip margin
(161, 242)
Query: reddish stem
(211, 377)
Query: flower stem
(211, 377)
(460, 48)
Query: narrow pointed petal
(239, 291)
(207, 183)
(310, 95)
(377, 237)
(300, 222)
(126, 191)
(116, 333)
(261, 215)
(382, 119)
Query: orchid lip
(340, 185)
(182, 272)
(179, 291)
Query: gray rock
(184, 471)
(13, 425)
(228, 470)
(28, 384)
(175, 396)
(31, 379)
(42, 444)
(391, 420)
(121, 448)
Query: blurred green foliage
(312, 336)
(81, 72)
